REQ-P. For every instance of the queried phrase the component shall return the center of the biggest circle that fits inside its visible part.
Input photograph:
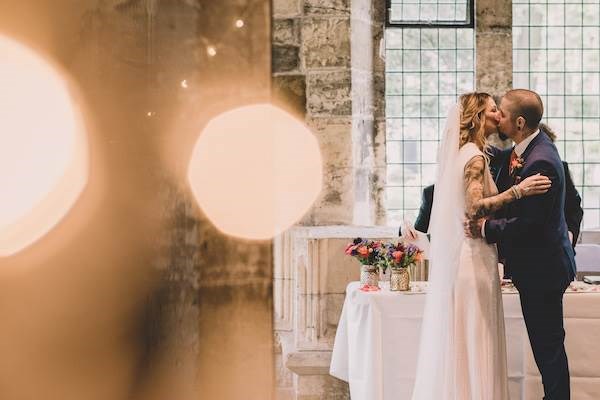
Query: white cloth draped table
(377, 342)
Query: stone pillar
(325, 54)
(368, 111)
(493, 40)
(338, 90)
(493, 33)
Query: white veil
(436, 349)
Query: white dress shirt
(521, 147)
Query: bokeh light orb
(43, 151)
(255, 171)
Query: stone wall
(493, 41)
(326, 70)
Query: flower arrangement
(367, 252)
(401, 255)
(384, 255)
(370, 254)
(374, 255)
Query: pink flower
(349, 249)
(397, 256)
(516, 165)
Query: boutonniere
(516, 165)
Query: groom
(531, 233)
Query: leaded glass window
(456, 13)
(426, 70)
(556, 52)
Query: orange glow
(255, 171)
(43, 151)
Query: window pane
(430, 11)
(520, 14)
(537, 37)
(436, 66)
(520, 37)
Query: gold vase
(400, 280)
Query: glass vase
(369, 278)
(400, 280)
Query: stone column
(311, 78)
(493, 22)
(325, 54)
(494, 64)
(368, 111)
(338, 90)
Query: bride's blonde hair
(472, 118)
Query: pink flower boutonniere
(516, 165)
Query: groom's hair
(527, 104)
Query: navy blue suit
(531, 234)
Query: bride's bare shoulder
(470, 147)
(468, 152)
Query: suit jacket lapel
(540, 136)
(532, 144)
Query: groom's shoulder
(545, 149)
(545, 154)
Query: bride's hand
(534, 184)
(408, 231)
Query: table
(586, 259)
(377, 342)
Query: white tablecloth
(587, 257)
(377, 342)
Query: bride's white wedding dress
(463, 349)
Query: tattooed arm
(478, 206)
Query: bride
(462, 354)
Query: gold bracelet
(517, 192)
